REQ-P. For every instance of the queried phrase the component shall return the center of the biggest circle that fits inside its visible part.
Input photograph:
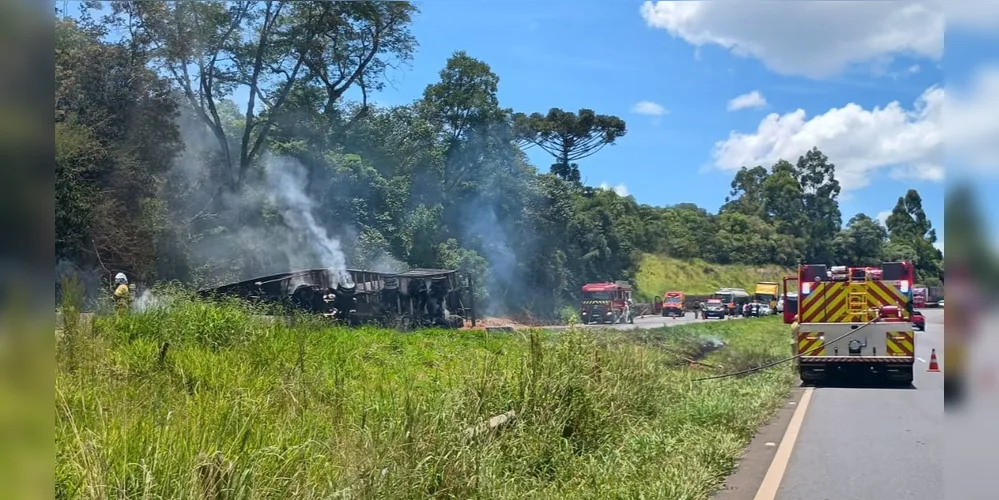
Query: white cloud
(882, 217)
(858, 141)
(649, 108)
(813, 39)
(975, 15)
(914, 69)
(972, 124)
(620, 189)
(752, 99)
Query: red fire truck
(606, 303)
(854, 320)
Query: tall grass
(657, 275)
(241, 408)
(70, 308)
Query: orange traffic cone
(934, 367)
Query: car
(713, 308)
(918, 321)
(780, 305)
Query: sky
(709, 87)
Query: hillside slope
(658, 274)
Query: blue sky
(605, 56)
(966, 52)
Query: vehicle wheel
(905, 378)
(665, 313)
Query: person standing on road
(122, 293)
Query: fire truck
(854, 320)
(672, 305)
(606, 303)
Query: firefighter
(122, 293)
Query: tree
(567, 136)
(210, 49)
(861, 243)
(820, 204)
(115, 138)
(909, 226)
(748, 195)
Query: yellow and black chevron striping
(596, 302)
(899, 343)
(835, 302)
(811, 344)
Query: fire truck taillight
(806, 288)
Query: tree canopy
(213, 141)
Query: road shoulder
(756, 458)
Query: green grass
(240, 409)
(657, 275)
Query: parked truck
(854, 320)
(606, 303)
(672, 305)
(934, 296)
(766, 293)
(733, 300)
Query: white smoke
(148, 301)
(286, 181)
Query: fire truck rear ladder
(858, 306)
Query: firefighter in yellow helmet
(122, 293)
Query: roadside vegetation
(203, 400)
(657, 274)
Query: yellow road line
(768, 489)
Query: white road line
(768, 489)
(921, 360)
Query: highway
(656, 321)
(853, 443)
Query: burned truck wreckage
(413, 299)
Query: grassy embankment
(657, 275)
(238, 409)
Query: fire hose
(785, 360)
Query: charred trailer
(433, 298)
(415, 298)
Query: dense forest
(210, 141)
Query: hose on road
(785, 360)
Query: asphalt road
(656, 321)
(872, 443)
